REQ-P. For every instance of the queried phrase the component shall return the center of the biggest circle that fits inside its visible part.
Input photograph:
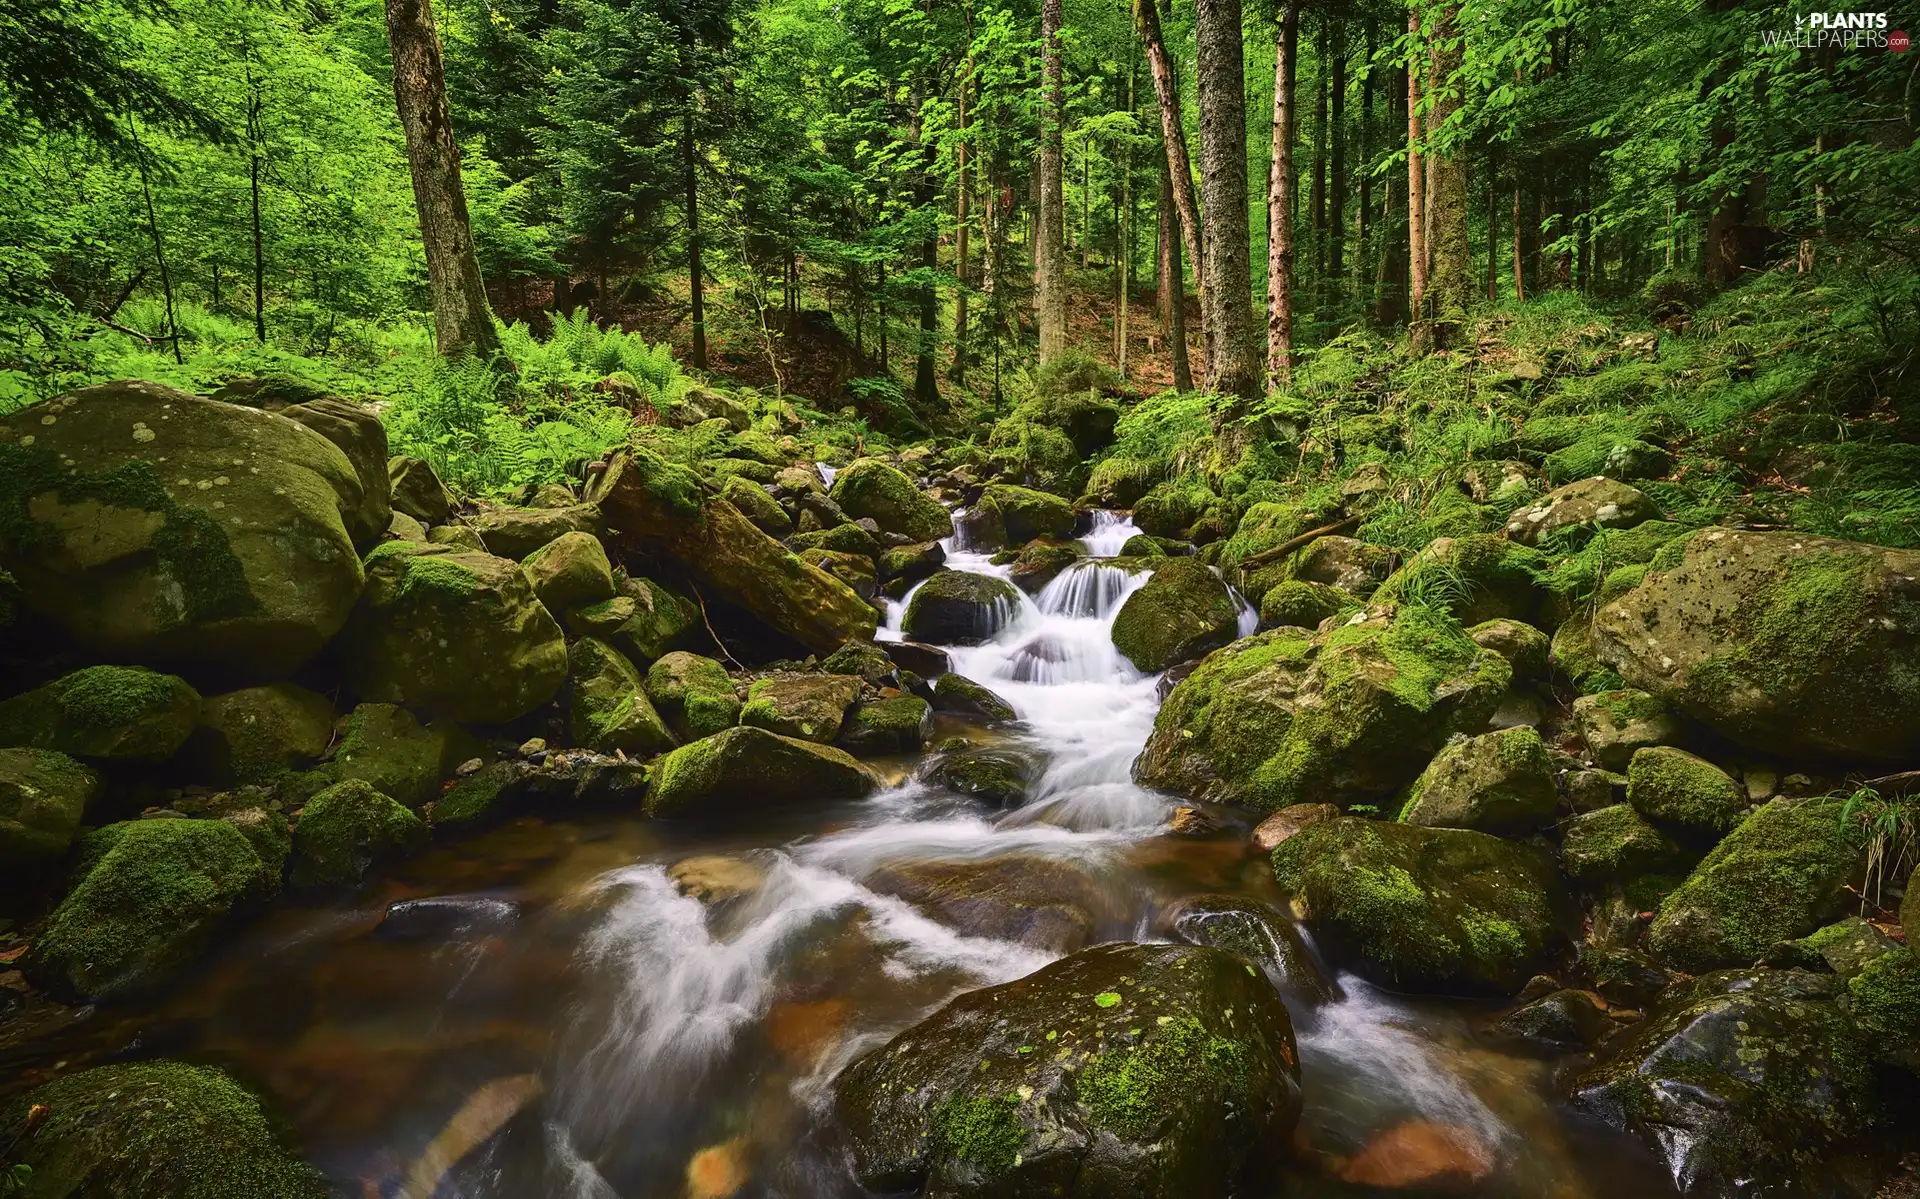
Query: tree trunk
(1364, 212)
(926, 381)
(1519, 243)
(1280, 187)
(1233, 363)
(460, 317)
(1416, 188)
(1173, 284)
(1493, 228)
(1450, 285)
(1173, 136)
(1317, 187)
(254, 155)
(1051, 254)
(1337, 183)
(963, 188)
(696, 281)
(1123, 233)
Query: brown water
(570, 1024)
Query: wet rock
(1122, 1070)
(1672, 786)
(1525, 648)
(1026, 513)
(152, 896)
(1565, 1017)
(1625, 978)
(417, 491)
(887, 726)
(927, 661)
(1617, 724)
(1496, 782)
(43, 797)
(1262, 936)
(693, 694)
(995, 776)
(516, 532)
(1143, 545)
(758, 506)
(442, 918)
(1478, 578)
(254, 735)
(1794, 645)
(1423, 1157)
(1183, 611)
(1780, 875)
(714, 878)
(1742, 1082)
(570, 571)
(911, 562)
(452, 634)
(187, 531)
(485, 1112)
(1041, 562)
(608, 708)
(807, 706)
(385, 747)
(1599, 501)
(105, 714)
(1269, 833)
(956, 607)
(1615, 843)
(348, 830)
(1422, 909)
(1047, 903)
(961, 696)
(152, 1130)
(1302, 604)
(744, 768)
(873, 489)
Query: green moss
(1303, 604)
(981, 1130)
(675, 486)
(118, 712)
(1675, 787)
(1885, 1000)
(1131, 1090)
(474, 800)
(348, 829)
(1423, 645)
(433, 573)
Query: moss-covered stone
(855, 570)
(1574, 656)
(1352, 565)
(1525, 648)
(478, 800)
(1781, 874)
(1124, 1070)
(757, 505)
(347, 830)
(1120, 481)
(1885, 1001)
(1616, 843)
(453, 634)
(961, 696)
(1618, 724)
(357, 431)
(644, 622)
(843, 538)
(1846, 947)
(957, 607)
(152, 1130)
(607, 705)
(1478, 577)
(911, 563)
(887, 726)
(1600, 502)
(1564, 1018)
(1028, 513)
(1182, 612)
(1170, 508)
(43, 797)
(1673, 787)
(1300, 604)
(1425, 909)
(1496, 782)
(694, 694)
(417, 491)
(995, 776)
(154, 896)
(807, 706)
(869, 487)
(256, 734)
(460, 537)
(1143, 545)
(105, 714)
(510, 532)
(1040, 562)
(1791, 644)
(1740, 1082)
(745, 768)
(570, 570)
(160, 528)
(385, 747)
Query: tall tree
(1450, 285)
(1173, 139)
(460, 317)
(1337, 164)
(1050, 257)
(690, 194)
(1233, 359)
(1173, 284)
(1416, 184)
(963, 189)
(1280, 188)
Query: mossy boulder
(1616, 843)
(387, 748)
(1573, 656)
(807, 706)
(1123, 1070)
(1618, 724)
(417, 491)
(1780, 875)
(347, 830)
(357, 431)
(910, 563)
(1673, 787)
(43, 797)
(1040, 562)
(453, 634)
(1846, 947)
(159, 528)
(870, 488)
(458, 536)
(1170, 508)
(999, 777)
(662, 511)
(570, 571)
(105, 714)
(1143, 545)
(1478, 577)
(644, 622)
(152, 1130)
(1741, 1082)
(694, 694)
(898, 725)
(844, 538)
(155, 895)
(1182, 612)
(747, 768)
(1525, 648)
(1425, 909)
(1791, 644)
(1028, 513)
(256, 734)
(1301, 604)
(1120, 481)
(607, 705)
(1599, 502)
(511, 532)
(757, 505)
(1884, 997)
(961, 696)
(1350, 715)
(1500, 782)
(957, 607)
(1352, 565)
(855, 570)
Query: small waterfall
(1110, 533)
(826, 473)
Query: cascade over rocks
(159, 528)
(1123, 1070)
(1792, 644)
(956, 607)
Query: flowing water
(560, 1019)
